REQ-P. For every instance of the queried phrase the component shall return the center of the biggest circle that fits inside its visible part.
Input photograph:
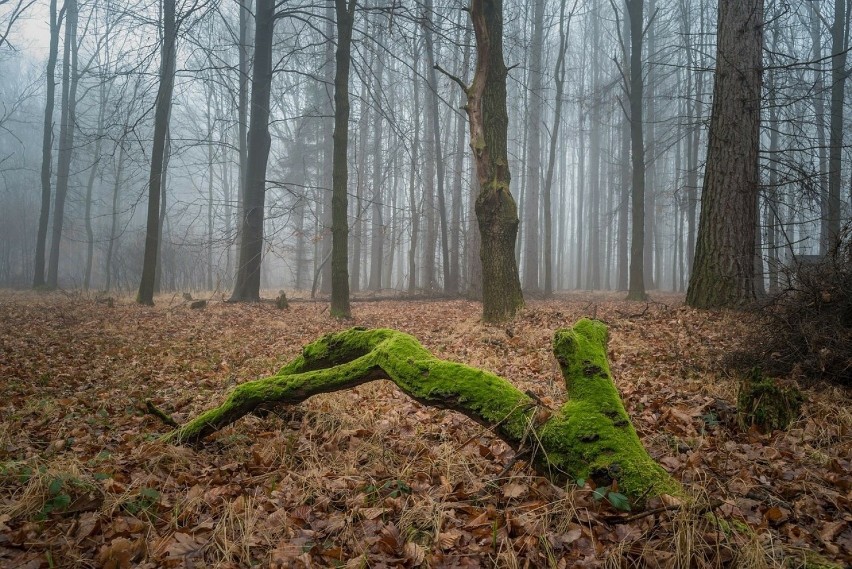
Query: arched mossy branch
(589, 437)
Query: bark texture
(496, 211)
(47, 147)
(247, 285)
(158, 153)
(723, 272)
(589, 437)
(340, 172)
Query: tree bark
(247, 286)
(839, 46)
(67, 128)
(161, 127)
(559, 77)
(636, 287)
(589, 437)
(723, 272)
(496, 211)
(532, 207)
(47, 147)
(340, 172)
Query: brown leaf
(514, 490)
(414, 553)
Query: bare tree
(161, 127)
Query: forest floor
(369, 478)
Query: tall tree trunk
(113, 226)
(636, 290)
(209, 244)
(340, 227)
(458, 167)
(377, 226)
(47, 147)
(593, 279)
(496, 211)
(432, 102)
(533, 163)
(650, 257)
(327, 154)
(247, 286)
(723, 272)
(67, 127)
(624, 211)
(242, 106)
(90, 184)
(412, 186)
(839, 45)
(161, 127)
(559, 77)
(819, 117)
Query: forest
(405, 283)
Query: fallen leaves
(367, 477)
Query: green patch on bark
(589, 437)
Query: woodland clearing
(370, 478)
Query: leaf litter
(369, 478)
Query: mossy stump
(764, 404)
(590, 437)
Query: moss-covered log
(589, 437)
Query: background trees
(412, 176)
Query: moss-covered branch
(589, 437)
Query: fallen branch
(589, 437)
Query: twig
(160, 414)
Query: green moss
(766, 405)
(593, 433)
(589, 437)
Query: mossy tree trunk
(589, 437)
(496, 211)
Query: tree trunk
(496, 211)
(723, 272)
(340, 226)
(67, 127)
(247, 286)
(839, 46)
(47, 148)
(161, 127)
(377, 226)
(455, 224)
(532, 206)
(636, 290)
(559, 77)
(589, 437)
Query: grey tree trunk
(559, 78)
(340, 226)
(432, 101)
(161, 127)
(636, 287)
(47, 148)
(532, 205)
(839, 45)
(247, 285)
(67, 127)
(377, 225)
